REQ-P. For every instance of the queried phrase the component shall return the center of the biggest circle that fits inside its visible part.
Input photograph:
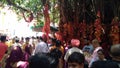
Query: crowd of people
(39, 52)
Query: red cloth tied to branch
(46, 27)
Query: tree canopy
(33, 9)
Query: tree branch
(30, 18)
(13, 4)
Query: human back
(3, 46)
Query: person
(55, 58)
(3, 49)
(3, 46)
(88, 47)
(27, 47)
(42, 46)
(22, 40)
(88, 50)
(39, 60)
(75, 44)
(16, 55)
(101, 55)
(57, 46)
(75, 61)
(103, 63)
(17, 42)
(52, 44)
(33, 42)
(115, 53)
(37, 40)
(94, 56)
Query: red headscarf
(75, 42)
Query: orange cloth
(3, 49)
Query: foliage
(33, 6)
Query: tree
(79, 18)
(33, 9)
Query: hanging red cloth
(46, 27)
(98, 27)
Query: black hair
(3, 38)
(53, 39)
(41, 38)
(37, 37)
(27, 38)
(55, 54)
(39, 60)
(53, 62)
(101, 50)
(58, 43)
(17, 41)
(76, 57)
(22, 38)
(33, 37)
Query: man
(3, 46)
(39, 61)
(74, 56)
(42, 46)
(115, 53)
(76, 60)
(75, 44)
(3, 50)
(104, 64)
(27, 47)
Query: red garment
(3, 49)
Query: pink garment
(75, 42)
(3, 49)
(95, 55)
(22, 64)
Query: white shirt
(42, 47)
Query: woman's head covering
(75, 42)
